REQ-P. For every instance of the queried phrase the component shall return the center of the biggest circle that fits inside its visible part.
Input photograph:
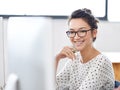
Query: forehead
(78, 23)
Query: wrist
(57, 58)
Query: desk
(116, 67)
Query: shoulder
(102, 64)
(103, 60)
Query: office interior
(32, 33)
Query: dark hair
(87, 16)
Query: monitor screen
(30, 52)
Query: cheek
(71, 39)
(89, 39)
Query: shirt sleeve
(63, 77)
(100, 76)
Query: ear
(94, 33)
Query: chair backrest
(116, 67)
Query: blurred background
(32, 32)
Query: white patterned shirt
(97, 74)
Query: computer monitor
(30, 55)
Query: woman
(87, 68)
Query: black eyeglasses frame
(76, 32)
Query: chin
(79, 48)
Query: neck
(88, 54)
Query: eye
(72, 32)
(83, 31)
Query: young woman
(87, 68)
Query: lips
(78, 43)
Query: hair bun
(87, 10)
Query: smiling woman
(88, 68)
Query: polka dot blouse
(97, 74)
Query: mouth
(78, 43)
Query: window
(113, 11)
(50, 7)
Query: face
(84, 42)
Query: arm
(65, 52)
(62, 78)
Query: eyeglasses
(80, 33)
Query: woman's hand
(66, 52)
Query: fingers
(68, 52)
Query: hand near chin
(67, 52)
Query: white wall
(108, 37)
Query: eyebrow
(71, 29)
